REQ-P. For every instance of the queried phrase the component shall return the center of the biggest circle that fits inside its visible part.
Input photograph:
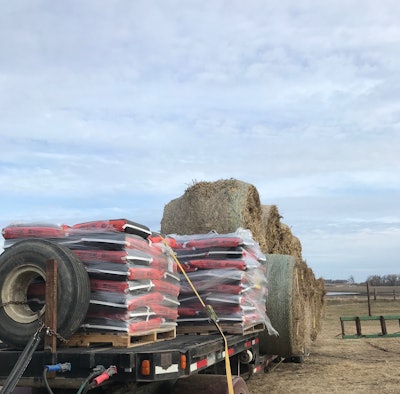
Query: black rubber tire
(280, 277)
(20, 264)
(296, 359)
(209, 384)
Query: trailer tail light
(145, 368)
(182, 361)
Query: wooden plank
(120, 339)
(50, 315)
(50, 341)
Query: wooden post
(394, 295)
(383, 325)
(50, 341)
(374, 293)
(369, 300)
(358, 326)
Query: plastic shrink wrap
(134, 280)
(228, 271)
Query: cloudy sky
(113, 108)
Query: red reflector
(202, 363)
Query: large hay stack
(224, 206)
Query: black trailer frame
(166, 360)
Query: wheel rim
(16, 288)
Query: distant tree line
(384, 280)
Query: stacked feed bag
(228, 272)
(134, 281)
(18, 231)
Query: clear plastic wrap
(104, 270)
(131, 326)
(133, 275)
(228, 272)
(246, 262)
(214, 253)
(131, 312)
(20, 230)
(216, 279)
(122, 225)
(170, 288)
(109, 240)
(240, 237)
(133, 301)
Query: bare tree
(385, 280)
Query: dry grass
(337, 365)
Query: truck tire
(20, 266)
(209, 384)
(284, 308)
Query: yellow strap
(213, 317)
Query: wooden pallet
(233, 328)
(119, 339)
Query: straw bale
(222, 206)
(226, 205)
(311, 293)
(308, 293)
(271, 219)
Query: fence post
(369, 300)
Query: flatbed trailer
(205, 358)
(152, 367)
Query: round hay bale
(312, 292)
(222, 206)
(308, 298)
(318, 308)
(281, 277)
(279, 237)
(296, 248)
(286, 240)
(271, 220)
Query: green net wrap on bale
(222, 206)
(308, 304)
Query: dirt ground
(337, 365)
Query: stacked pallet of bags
(228, 272)
(133, 276)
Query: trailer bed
(198, 352)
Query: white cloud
(107, 106)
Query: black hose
(46, 382)
(84, 386)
